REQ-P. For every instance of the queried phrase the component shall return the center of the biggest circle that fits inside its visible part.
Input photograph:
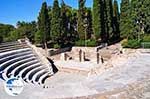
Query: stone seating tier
(19, 60)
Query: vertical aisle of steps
(18, 59)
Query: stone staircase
(18, 59)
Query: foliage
(86, 43)
(55, 22)
(134, 18)
(44, 24)
(124, 42)
(63, 26)
(116, 21)
(91, 43)
(146, 38)
(57, 46)
(5, 30)
(88, 22)
(107, 30)
(38, 37)
(27, 29)
(106, 20)
(81, 19)
(14, 35)
(125, 20)
(97, 18)
(131, 43)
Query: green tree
(73, 18)
(146, 10)
(5, 30)
(97, 18)
(44, 24)
(55, 22)
(81, 20)
(89, 30)
(140, 17)
(27, 29)
(116, 19)
(14, 35)
(126, 23)
(108, 20)
(38, 38)
(102, 20)
(50, 18)
(64, 24)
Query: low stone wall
(90, 53)
(58, 51)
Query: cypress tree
(146, 10)
(50, 18)
(43, 25)
(116, 18)
(97, 18)
(108, 19)
(74, 36)
(55, 22)
(89, 30)
(64, 24)
(139, 14)
(81, 19)
(126, 26)
(101, 20)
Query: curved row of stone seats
(5, 47)
(8, 43)
(31, 72)
(28, 73)
(43, 78)
(13, 47)
(8, 57)
(10, 53)
(36, 77)
(33, 75)
(20, 72)
(11, 61)
(23, 74)
(16, 64)
(22, 63)
(17, 70)
(40, 79)
(12, 66)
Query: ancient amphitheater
(124, 76)
(19, 60)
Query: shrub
(124, 43)
(57, 46)
(146, 41)
(88, 43)
(146, 38)
(80, 43)
(130, 43)
(91, 43)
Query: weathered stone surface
(127, 79)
